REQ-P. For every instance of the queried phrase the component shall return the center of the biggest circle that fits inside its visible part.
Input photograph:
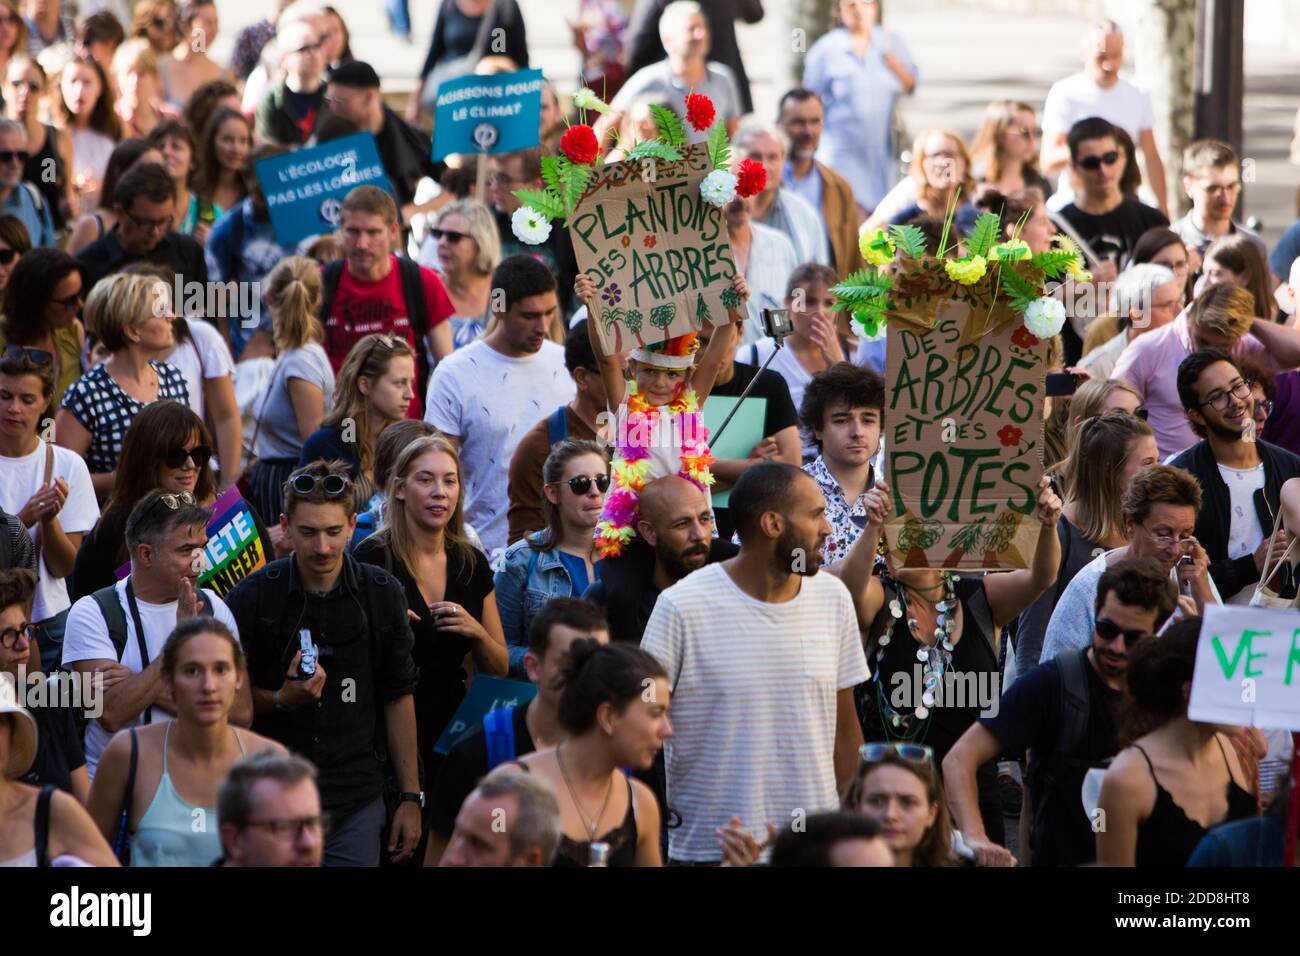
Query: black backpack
(417, 310)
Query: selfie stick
(777, 340)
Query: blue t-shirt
(577, 569)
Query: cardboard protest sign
(488, 114)
(486, 694)
(234, 549)
(1247, 668)
(304, 189)
(658, 253)
(964, 421)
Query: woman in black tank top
(614, 706)
(1178, 778)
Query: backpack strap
(557, 426)
(331, 274)
(122, 842)
(499, 731)
(1076, 707)
(43, 824)
(114, 617)
(417, 313)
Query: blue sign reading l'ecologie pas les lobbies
(304, 189)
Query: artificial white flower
(530, 226)
(719, 187)
(1045, 317)
(586, 99)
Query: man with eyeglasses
(119, 631)
(292, 109)
(1146, 296)
(144, 200)
(1212, 180)
(1109, 221)
(1241, 476)
(1159, 510)
(269, 813)
(18, 198)
(351, 710)
(1098, 90)
(1064, 713)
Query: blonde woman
(448, 582)
(941, 170)
(139, 88)
(13, 33)
(1005, 152)
(132, 316)
(301, 386)
(463, 248)
(1092, 399)
(374, 388)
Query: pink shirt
(1150, 364)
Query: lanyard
(140, 644)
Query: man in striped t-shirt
(762, 653)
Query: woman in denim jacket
(560, 560)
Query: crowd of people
(421, 438)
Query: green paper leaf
(1054, 262)
(575, 184)
(862, 285)
(1019, 290)
(551, 169)
(910, 239)
(545, 202)
(669, 124)
(653, 149)
(985, 234)
(719, 146)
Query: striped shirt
(754, 702)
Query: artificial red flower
(1024, 338)
(751, 178)
(699, 111)
(1009, 435)
(580, 145)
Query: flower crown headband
(566, 177)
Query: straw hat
(22, 739)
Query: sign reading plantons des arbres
(964, 424)
(657, 252)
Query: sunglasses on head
(451, 235)
(1094, 163)
(173, 502)
(912, 753)
(581, 484)
(176, 457)
(35, 356)
(332, 485)
(1108, 630)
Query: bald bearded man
(676, 529)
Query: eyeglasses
(309, 47)
(1183, 542)
(294, 827)
(71, 301)
(912, 753)
(581, 484)
(1266, 406)
(9, 636)
(1108, 630)
(1029, 132)
(450, 234)
(155, 225)
(176, 457)
(332, 485)
(14, 156)
(10, 20)
(1141, 413)
(1094, 163)
(7, 256)
(35, 356)
(501, 179)
(1219, 401)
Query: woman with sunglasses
(154, 21)
(899, 787)
(14, 243)
(373, 389)
(1005, 151)
(464, 247)
(224, 144)
(98, 220)
(41, 301)
(561, 560)
(84, 110)
(49, 151)
(132, 315)
(1176, 778)
(179, 765)
(47, 487)
(448, 583)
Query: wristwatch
(406, 796)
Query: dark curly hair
(17, 586)
(842, 382)
(1153, 683)
(597, 673)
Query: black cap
(356, 73)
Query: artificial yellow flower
(1077, 272)
(966, 271)
(877, 248)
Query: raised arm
(1011, 592)
(855, 570)
(1282, 342)
(721, 344)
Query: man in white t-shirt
(762, 653)
(165, 534)
(57, 511)
(486, 396)
(1098, 90)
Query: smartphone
(307, 665)
(1061, 384)
(777, 323)
(1184, 585)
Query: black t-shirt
(58, 750)
(405, 154)
(1029, 718)
(180, 253)
(463, 767)
(778, 415)
(1113, 235)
